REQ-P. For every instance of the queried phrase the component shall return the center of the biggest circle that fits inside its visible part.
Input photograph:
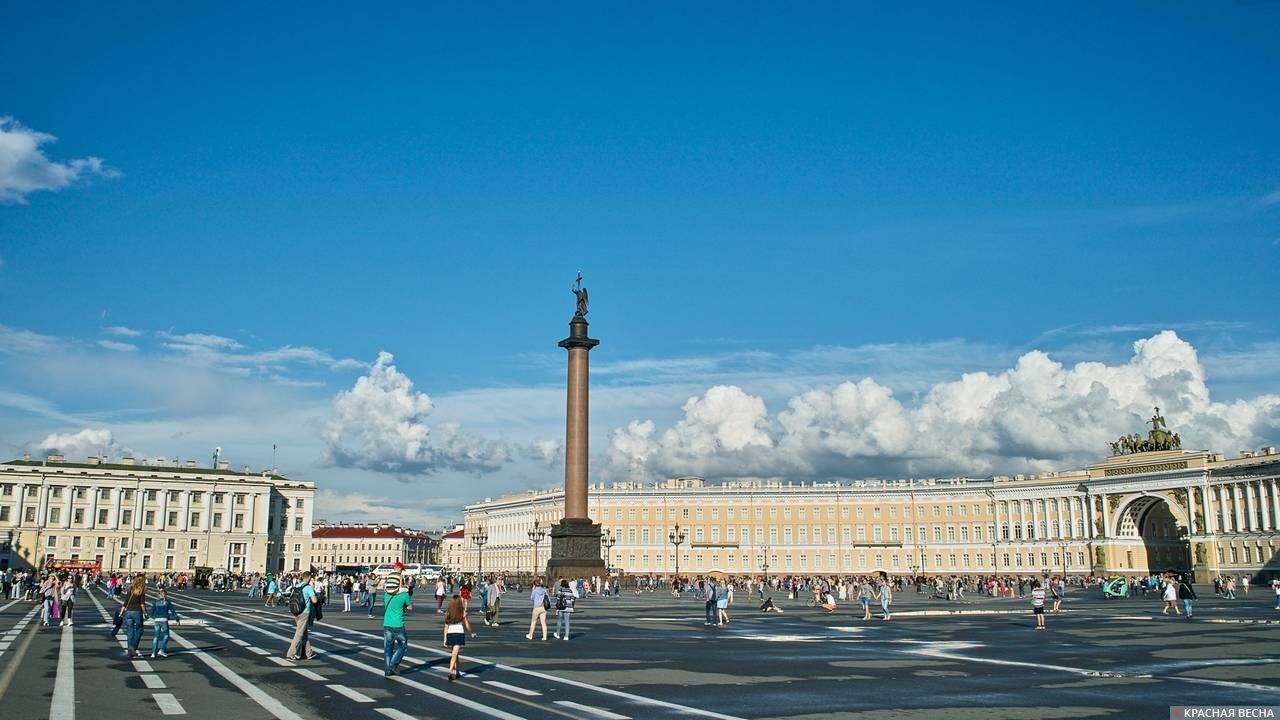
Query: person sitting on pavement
(768, 606)
(828, 602)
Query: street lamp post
(995, 537)
(114, 559)
(1065, 550)
(677, 537)
(266, 564)
(764, 565)
(480, 538)
(535, 536)
(608, 541)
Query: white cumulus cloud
(24, 168)
(1037, 415)
(78, 445)
(380, 424)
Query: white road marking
(268, 703)
(258, 650)
(142, 666)
(592, 711)
(512, 688)
(394, 714)
(5, 645)
(354, 695)
(280, 661)
(239, 642)
(6, 607)
(153, 682)
(686, 709)
(169, 704)
(348, 642)
(63, 705)
(310, 675)
(448, 697)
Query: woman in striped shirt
(1037, 603)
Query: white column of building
(185, 522)
(42, 509)
(138, 496)
(1035, 526)
(164, 511)
(1275, 504)
(206, 512)
(228, 511)
(1224, 520)
(1191, 510)
(1106, 516)
(1264, 505)
(93, 507)
(21, 489)
(1250, 507)
(67, 506)
(1071, 511)
(1238, 507)
(1207, 505)
(1090, 525)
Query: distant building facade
(1130, 513)
(342, 544)
(153, 515)
(452, 549)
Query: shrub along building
(1149, 507)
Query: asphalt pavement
(652, 656)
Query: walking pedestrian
(1169, 593)
(134, 607)
(538, 598)
(496, 590)
(886, 597)
(440, 595)
(394, 639)
(1037, 603)
(161, 613)
(566, 595)
(68, 599)
(864, 597)
(456, 629)
(1186, 593)
(300, 604)
(347, 587)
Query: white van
(431, 572)
(384, 570)
(412, 569)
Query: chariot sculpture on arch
(1158, 438)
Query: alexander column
(575, 541)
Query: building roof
(455, 535)
(323, 532)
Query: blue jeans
(1186, 606)
(369, 601)
(562, 623)
(160, 637)
(133, 628)
(394, 643)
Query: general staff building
(1130, 513)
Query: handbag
(546, 602)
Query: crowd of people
(308, 595)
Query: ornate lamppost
(765, 564)
(480, 538)
(608, 541)
(677, 537)
(536, 536)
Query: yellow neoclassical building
(1139, 511)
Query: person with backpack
(300, 606)
(541, 603)
(566, 596)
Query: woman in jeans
(134, 607)
(538, 597)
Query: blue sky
(760, 199)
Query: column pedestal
(575, 550)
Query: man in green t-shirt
(394, 640)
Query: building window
(219, 498)
(149, 517)
(195, 519)
(239, 521)
(173, 518)
(102, 517)
(239, 498)
(55, 492)
(146, 543)
(4, 513)
(217, 520)
(298, 503)
(297, 524)
(75, 541)
(194, 543)
(169, 544)
(146, 561)
(55, 514)
(191, 562)
(126, 517)
(151, 496)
